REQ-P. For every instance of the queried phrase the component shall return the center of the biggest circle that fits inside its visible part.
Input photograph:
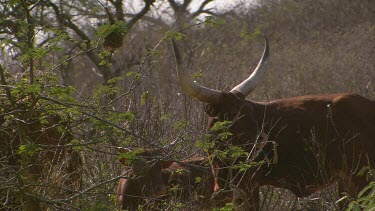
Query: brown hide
(180, 178)
(311, 140)
(131, 191)
(142, 180)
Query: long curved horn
(190, 88)
(249, 84)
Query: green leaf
(204, 142)
(144, 97)
(247, 36)
(135, 75)
(213, 22)
(76, 142)
(236, 152)
(106, 58)
(228, 207)
(31, 89)
(106, 29)
(197, 75)
(365, 189)
(117, 117)
(342, 199)
(363, 171)
(222, 155)
(128, 157)
(62, 93)
(198, 179)
(155, 53)
(221, 126)
(242, 166)
(29, 149)
(164, 117)
(115, 80)
(173, 35)
(102, 90)
(225, 135)
(181, 124)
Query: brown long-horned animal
(311, 141)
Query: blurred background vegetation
(81, 79)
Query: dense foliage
(81, 80)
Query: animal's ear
(166, 164)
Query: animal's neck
(260, 111)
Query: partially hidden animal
(309, 142)
(186, 180)
(142, 180)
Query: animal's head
(223, 105)
(143, 178)
(227, 106)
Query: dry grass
(317, 46)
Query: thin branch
(64, 21)
(139, 15)
(5, 85)
(202, 9)
(109, 15)
(174, 5)
(186, 4)
(134, 82)
(90, 189)
(68, 145)
(74, 56)
(95, 117)
(119, 10)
